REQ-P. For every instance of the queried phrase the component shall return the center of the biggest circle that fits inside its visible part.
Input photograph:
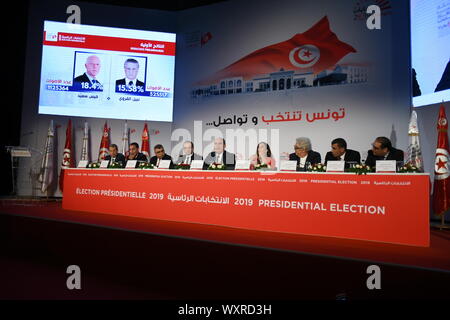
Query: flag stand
(442, 225)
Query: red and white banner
(384, 208)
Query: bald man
(88, 80)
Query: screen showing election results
(430, 51)
(104, 72)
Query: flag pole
(441, 187)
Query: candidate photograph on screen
(132, 71)
(90, 79)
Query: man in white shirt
(160, 154)
(303, 154)
(382, 149)
(220, 155)
(88, 80)
(339, 152)
(131, 69)
(188, 154)
(115, 156)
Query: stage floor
(436, 257)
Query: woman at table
(263, 156)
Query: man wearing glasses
(160, 154)
(303, 154)
(382, 149)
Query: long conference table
(391, 208)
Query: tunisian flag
(104, 144)
(145, 148)
(67, 161)
(441, 188)
(314, 50)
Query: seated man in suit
(304, 154)
(115, 156)
(339, 152)
(88, 80)
(160, 155)
(134, 154)
(188, 154)
(219, 155)
(131, 68)
(382, 149)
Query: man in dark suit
(88, 80)
(220, 156)
(304, 154)
(382, 149)
(339, 152)
(134, 154)
(160, 155)
(188, 154)
(131, 67)
(115, 156)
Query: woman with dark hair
(263, 156)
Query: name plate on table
(104, 164)
(288, 165)
(164, 164)
(386, 166)
(131, 164)
(242, 165)
(335, 166)
(197, 164)
(83, 164)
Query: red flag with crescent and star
(104, 144)
(441, 187)
(313, 50)
(67, 161)
(145, 149)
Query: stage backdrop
(273, 71)
(253, 71)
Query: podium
(17, 153)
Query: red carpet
(436, 257)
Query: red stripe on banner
(112, 43)
(384, 208)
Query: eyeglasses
(160, 151)
(374, 147)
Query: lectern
(18, 152)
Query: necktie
(157, 164)
(130, 83)
(187, 160)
